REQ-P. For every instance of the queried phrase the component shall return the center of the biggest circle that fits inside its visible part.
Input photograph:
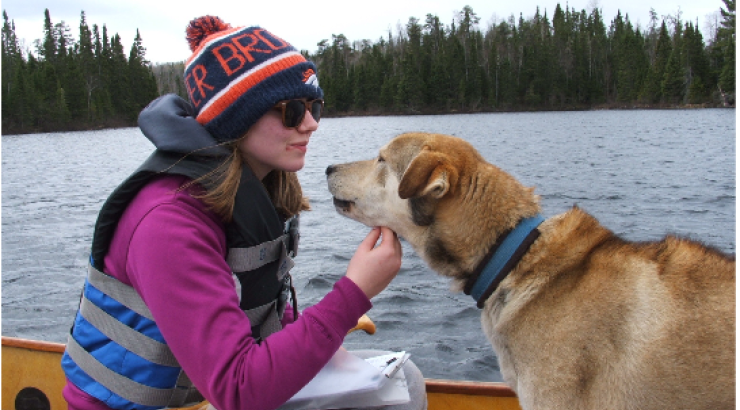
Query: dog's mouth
(342, 204)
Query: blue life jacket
(115, 350)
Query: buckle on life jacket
(292, 228)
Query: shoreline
(599, 107)
(117, 123)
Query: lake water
(642, 173)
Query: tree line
(72, 84)
(570, 61)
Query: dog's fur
(586, 320)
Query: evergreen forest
(69, 84)
(571, 60)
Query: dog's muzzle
(340, 204)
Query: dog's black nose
(330, 169)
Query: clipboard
(349, 381)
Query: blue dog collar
(503, 261)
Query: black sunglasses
(294, 110)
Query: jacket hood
(169, 123)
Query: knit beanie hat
(236, 75)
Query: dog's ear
(429, 173)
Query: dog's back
(593, 321)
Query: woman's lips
(301, 146)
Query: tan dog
(584, 319)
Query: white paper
(348, 381)
(343, 374)
(396, 391)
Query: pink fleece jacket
(172, 250)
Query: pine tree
(63, 115)
(410, 91)
(11, 60)
(103, 107)
(598, 58)
(65, 46)
(582, 61)
(141, 80)
(337, 85)
(118, 75)
(631, 63)
(726, 41)
(480, 76)
(545, 59)
(528, 68)
(508, 52)
(73, 84)
(23, 105)
(48, 84)
(358, 75)
(87, 64)
(492, 74)
(652, 92)
(672, 86)
(563, 64)
(697, 65)
(377, 72)
(470, 81)
(48, 50)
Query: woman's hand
(373, 268)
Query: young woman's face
(271, 146)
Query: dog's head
(436, 192)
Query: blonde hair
(282, 187)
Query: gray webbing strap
(286, 264)
(271, 325)
(247, 259)
(258, 315)
(156, 352)
(119, 291)
(130, 339)
(123, 386)
(266, 317)
(184, 394)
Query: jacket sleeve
(176, 262)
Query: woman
(160, 316)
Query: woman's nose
(308, 123)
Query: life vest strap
(177, 396)
(185, 393)
(266, 317)
(119, 291)
(130, 339)
(143, 346)
(254, 257)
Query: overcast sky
(162, 23)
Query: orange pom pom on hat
(236, 75)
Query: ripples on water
(642, 173)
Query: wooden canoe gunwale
(450, 387)
(470, 388)
(33, 344)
